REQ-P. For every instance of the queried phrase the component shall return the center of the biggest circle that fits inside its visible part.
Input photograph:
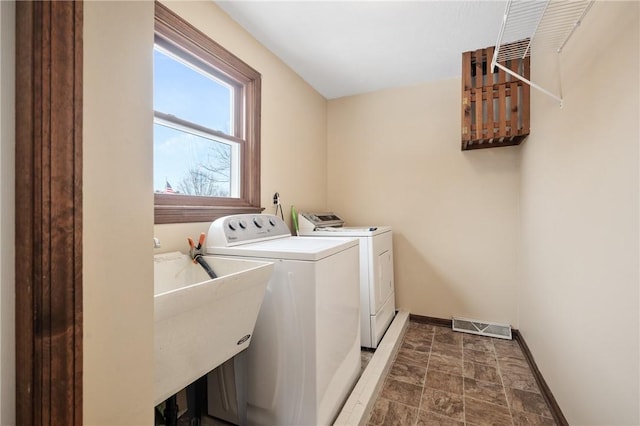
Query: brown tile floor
(442, 377)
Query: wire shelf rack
(547, 24)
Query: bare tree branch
(209, 178)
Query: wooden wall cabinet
(495, 105)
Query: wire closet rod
(545, 24)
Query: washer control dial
(258, 222)
(237, 229)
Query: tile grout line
(504, 388)
(424, 382)
(461, 347)
(464, 403)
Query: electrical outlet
(276, 198)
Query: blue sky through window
(191, 95)
(177, 153)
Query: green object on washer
(294, 218)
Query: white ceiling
(344, 48)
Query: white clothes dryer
(304, 356)
(377, 289)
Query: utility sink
(199, 322)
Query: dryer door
(383, 255)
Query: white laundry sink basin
(200, 322)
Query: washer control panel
(244, 228)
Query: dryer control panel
(232, 230)
(312, 221)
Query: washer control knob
(272, 221)
(257, 221)
(243, 224)
(233, 225)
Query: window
(206, 126)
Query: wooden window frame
(172, 30)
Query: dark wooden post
(49, 212)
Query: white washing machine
(377, 294)
(304, 357)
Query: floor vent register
(483, 328)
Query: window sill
(186, 214)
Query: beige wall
(7, 216)
(118, 216)
(294, 117)
(395, 159)
(579, 295)
(391, 157)
(118, 213)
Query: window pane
(191, 94)
(188, 164)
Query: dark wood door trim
(49, 212)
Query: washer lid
(291, 248)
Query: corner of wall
(118, 348)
